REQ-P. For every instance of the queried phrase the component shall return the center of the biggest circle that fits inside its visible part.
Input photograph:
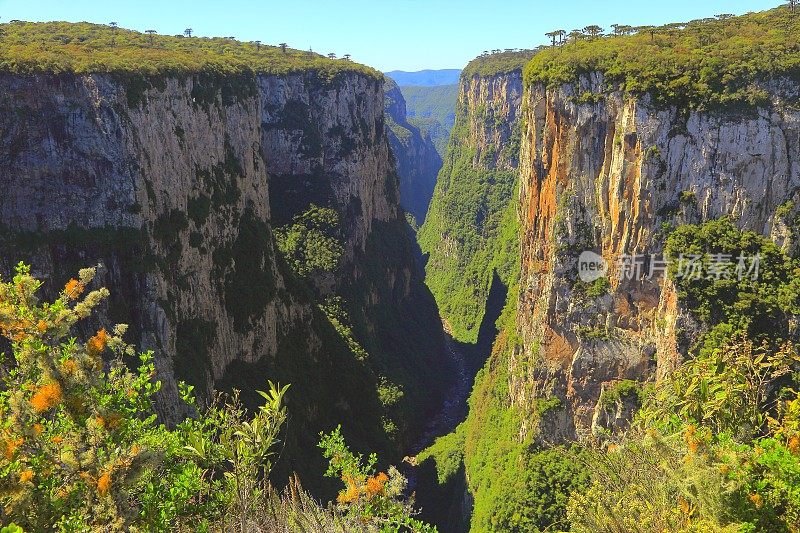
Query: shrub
(373, 498)
(715, 448)
(731, 389)
(80, 444)
(311, 243)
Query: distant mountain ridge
(425, 78)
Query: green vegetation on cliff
(715, 446)
(432, 110)
(471, 230)
(27, 47)
(700, 64)
(437, 103)
(756, 295)
(516, 485)
(497, 63)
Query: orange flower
(375, 484)
(757, 500)
(11, 446)
(349, 495)
(41, 326)
(26, 476)
(693, 445)
(57, 439)
(104, 483)
(38, 429)
(724, 469)
(684, 505)
(97, 344)
(47, 397)
(73, 289)
(794, 445)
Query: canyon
(292, 223)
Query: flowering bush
(80, 445)
(81, 448)
(716, 448)
(373, 499)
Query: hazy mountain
(427, 78)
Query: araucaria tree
(593, 30)
(553, 35)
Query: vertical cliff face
(612, 177)
(469, 233)
(175, 184)
(418, 163)
(326, 144)
(170, 193)
(471, 237)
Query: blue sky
(388, 35)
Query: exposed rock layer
(609, 177)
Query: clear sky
(388, 35)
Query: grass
(497, 63)
(706, 63)
(58, 47)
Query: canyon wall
(471, 238)
(469, 235)
(613, 174)
(600, 171)
(175, 184)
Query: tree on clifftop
(557, 36)
(593, 30)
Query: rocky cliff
(470, 230)
(611, 173)
(418, 162)
(175, 184)
(599, 170)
